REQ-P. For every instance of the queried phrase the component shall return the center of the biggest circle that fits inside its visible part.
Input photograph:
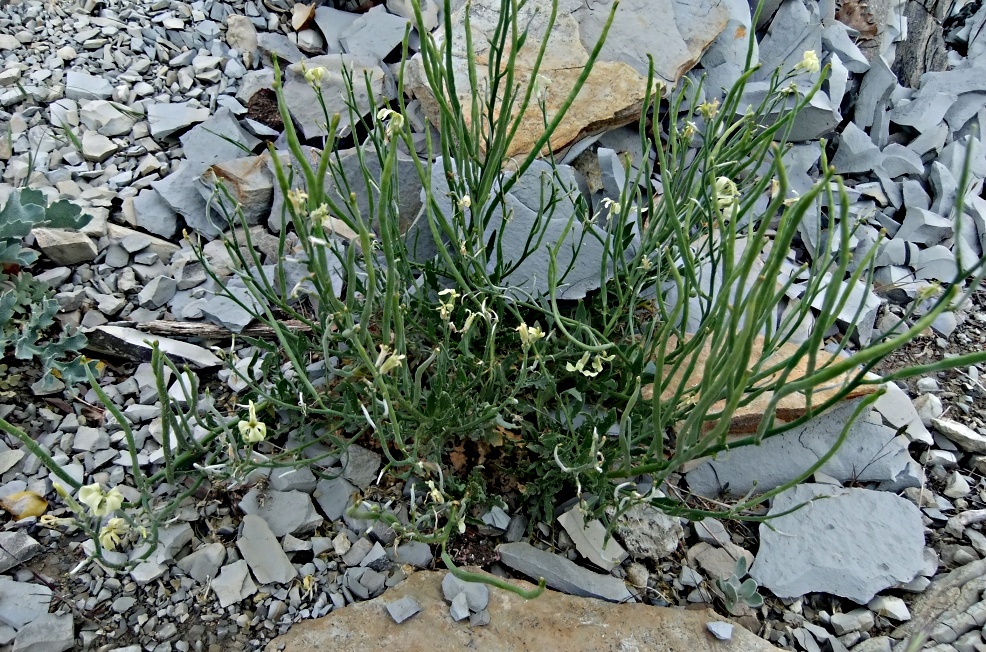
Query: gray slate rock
(477, 594)
(303, 103)
(874, 92)
(233, 584)
(871, 453)
(854, 543)
(83, 86)
(22, 602)
(154, 214)
(401, 610)
(857, 152)
(924, 227)
(168, 119)
(286, 512)
(15, 548)
(263, 553)
(48, 633)
(562, 574)
(374, 34)
(203, 564)
(332, 23)
(360, 465)
(334, 496)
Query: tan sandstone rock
(554, 621)
(747, 418)
(674, 32)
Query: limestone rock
(65, 246)
(854, 543)
(649, 533)
(674, 33)
(553, 621)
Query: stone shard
(674, 32)
(203, 564)
(874, 92)
(562, 574)
(871, 453)
(263, 553)
(22, 602)
(168, 119)
(154, 214)
(794, 29)
(16, 548)
(332, 23)
(374, 34)
(286, 512)
(857, 152)
(923, 112)
(854, 543)
(233, 584)
(590, 540)
(83, 86)
(553, 621)
(249, 183)
(924, 227)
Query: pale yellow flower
(100, 503)
(709, 109)
(395, 121)
(689, 130)
(614, 207)
(727, 194)
(810, 62)
(112, 533)
(252, 429)
(314, 75)
(529, 334)
(387, 361)
(447, 305)
(465, 202)
(596, 367)
(298, 199)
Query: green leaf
(748, 588)
(741, 566)
(65, 215)
(755, 601)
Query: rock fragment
(261, 550)
(839, 545)
(561, 574)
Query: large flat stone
(674, 32)
(554, 621)
(852, 543)
(871, 453)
